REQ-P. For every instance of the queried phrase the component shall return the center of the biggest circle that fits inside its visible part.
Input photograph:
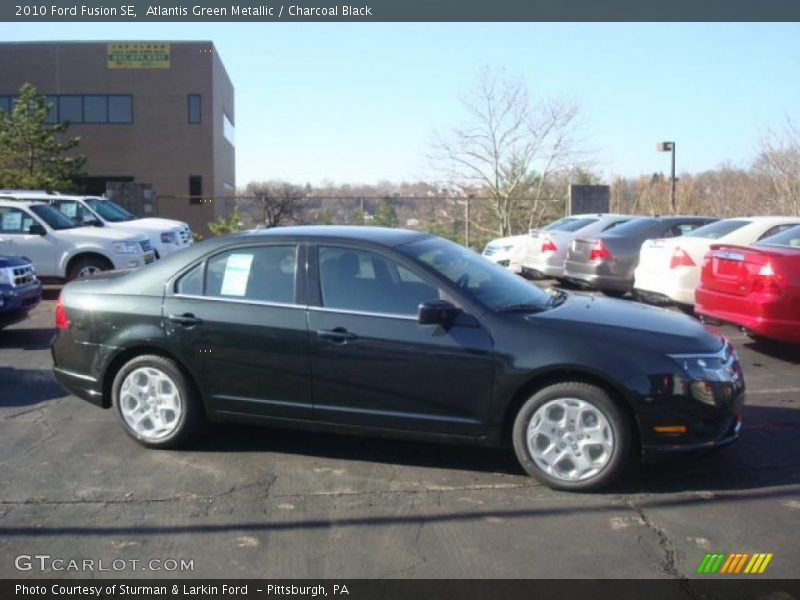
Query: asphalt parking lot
(255, 502)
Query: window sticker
(69, 208)
(237, 272)
(12, 221)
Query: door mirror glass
(437, 312)
(37, 229)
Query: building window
(228, 130)
(195, 189)
(194, 108)
(120, 109)
(52, 103)
(92, 108)
(70, 108)
(95, 109)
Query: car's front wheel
(155, 403)
(572, 436)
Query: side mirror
(437, 312)
(91, 221)
(37, 229)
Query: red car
(756, 287)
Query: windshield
(54, 218)
(569, 224)
(789, 238)
(490, 284)
(110, 211)
(714, 231)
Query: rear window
(789, 238)
(570, 224)
(714, 231)
(635, 226)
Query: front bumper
(16, 302)
(651, 452)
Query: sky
(362, 102)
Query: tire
(166, 421)
(601, 456)
(87, 264)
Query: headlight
(708, 367)
(169, 237)
(125, 247)
(5, 276)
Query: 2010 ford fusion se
(394, 332)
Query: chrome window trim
(363, 313)
(238, 301)
(300, 306)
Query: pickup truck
(62, 249)
(20, 289)
(166, 235)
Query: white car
(507, 252)
(669, 269)
(166, 235)
(62, 249)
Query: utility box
(588, 199)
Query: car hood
(13, 261)
(151, 225)
(631, 324)
(102, 234)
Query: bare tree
(779, 161)
(509, 147)
(278, 201)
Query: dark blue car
(20, 289)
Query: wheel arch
(127, 354)
(70, 262)
(564, 375)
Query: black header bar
(399, 10)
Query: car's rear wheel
(572, 436)
(155, 403)
(88, 266)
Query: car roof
(765, 218)
(6, 201)
(387, 236)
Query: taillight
(599, 251)
(61, 316)
(680, 258)
(766, 280)
(548, 245)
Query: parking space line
(791, 390)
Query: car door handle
(186, 319)
(339, 335)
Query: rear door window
(261, 274)
(776, 230)
(717, 229)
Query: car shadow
(243, 438)
(789, 353)
(26, 338)
(26, 387)
(767, 454)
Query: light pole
(670, 147)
